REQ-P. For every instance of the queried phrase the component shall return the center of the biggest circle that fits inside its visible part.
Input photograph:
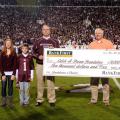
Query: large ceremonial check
(81, 63)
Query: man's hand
(51, 47)
(41, 57)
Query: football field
(69, 106)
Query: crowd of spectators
(23, 24)
(8, 2)
(64, 2)
(79, 2)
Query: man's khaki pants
(94, 89)
(41, 85)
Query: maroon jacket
(24, 76)
(8, 63)
(40, 44)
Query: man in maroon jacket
(38, 49)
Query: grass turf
(69, 106)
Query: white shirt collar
(25, 55)
(46, 37)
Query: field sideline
(69, 106)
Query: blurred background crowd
(69, 20)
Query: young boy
(24, 74)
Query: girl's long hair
(4, 50)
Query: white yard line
(116, 82)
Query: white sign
(81, 63)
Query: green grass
(69, 106)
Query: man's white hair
(100, 30)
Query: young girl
(8, 61)
(24, 74)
